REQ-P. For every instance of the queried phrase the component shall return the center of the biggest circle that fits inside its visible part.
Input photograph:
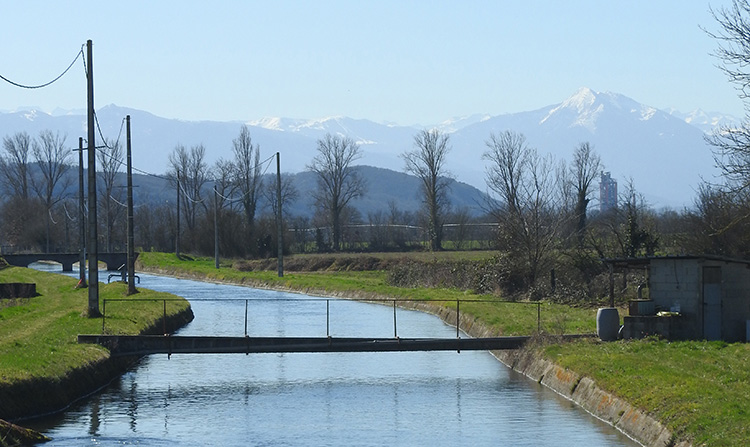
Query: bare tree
(289, 194)
(731, 144)
(51, 157)
(583, 171)
(247, 174)
(338, 181)
(527, 208)
(189, 173)
(625, 231)
(223, 174)
(110, 160)
(14, 166)
(460, 219)
(427, 163)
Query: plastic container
(607, 323)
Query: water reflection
(440, 398)
(94, 425)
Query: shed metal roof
(642, 262)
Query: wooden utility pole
(279, 224)
(93, 248)
(81, 220)
(177, 236)
(216, 228)
(131, 236)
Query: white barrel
(607, 323)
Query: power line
(117, 201)
(266, 162)
(79, 54)
(67, 213)
(242, 197)
(101, 135)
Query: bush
(493, 275)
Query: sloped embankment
(37, 396)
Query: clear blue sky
(408, 62)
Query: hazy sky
(408, 62)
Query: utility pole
(216, 228)
(177, 236)
(131, 236)
(81, 220)
(93, 248)
(279, 226)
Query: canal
(364, 399)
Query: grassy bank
(699, 390)
(505, 318)
(38, 336)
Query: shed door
(712, 303)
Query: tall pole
(81, 220)
(131, 236)
(177, 236)
(216, 228)
(93, 248)
(279, 227)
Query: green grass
(699, 389)
(38, 336)
(507, 318)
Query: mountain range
(663, 152)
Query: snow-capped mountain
(706, 121)
(664, 153)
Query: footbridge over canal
(113, 261)
(139, 345)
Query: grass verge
(698, 389)
(38, 336)
(504, 318)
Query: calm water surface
(363, 399)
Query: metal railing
(394, 302)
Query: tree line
(536, 208)
(537, 214)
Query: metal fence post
(395, 331)
(458, 319)
(538, 317)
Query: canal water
(342, 399)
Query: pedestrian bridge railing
(137, 345)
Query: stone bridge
(113, 261)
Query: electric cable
(79, 54)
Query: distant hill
(384, 187)
(664, 153)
